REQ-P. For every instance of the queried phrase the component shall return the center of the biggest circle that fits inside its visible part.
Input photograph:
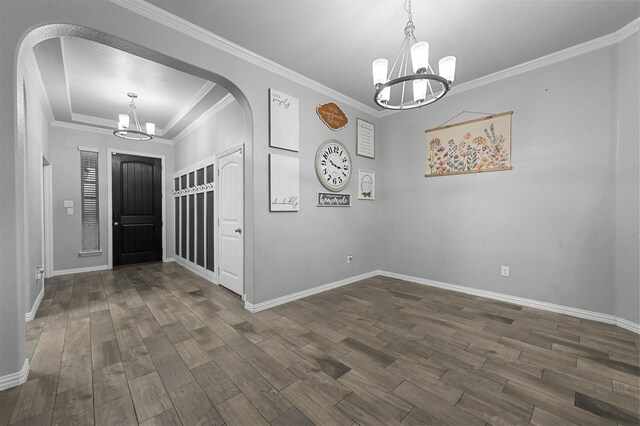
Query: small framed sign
(284, 121)
(332, 199)
(365, 139)
(332, 115)
(284, 183)
(366, 185)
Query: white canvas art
(366, 185)
(284, 183)
(284, 121)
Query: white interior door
(230, 217)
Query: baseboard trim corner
(29, 316)
(545, 306)
(628, 325)
(80, 270)
(15, 379)
(257, 307)
(187, 265)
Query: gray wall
(552, 219)
(37, 144)
(627, 178)
(65, 159)
(221, 132)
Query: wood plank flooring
(156, 345)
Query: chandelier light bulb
(123, 121)
(419, 90)
(420, 56)
(379, 69)
(151, 128)
(447, 67)
(385, 95)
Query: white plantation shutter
(90, 201)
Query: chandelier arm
(411, 105)
(404, 82)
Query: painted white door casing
(231, 215)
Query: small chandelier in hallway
(133, 134)
(427, 87)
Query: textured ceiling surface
(333, 42)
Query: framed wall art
(475, 146)
(284, 183)
(332, 199)
(366, 185)
(332, 115)
(284, 121)
(365, 139)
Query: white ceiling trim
(561, 55)
(219, 106)
(183, 26)
(33, 70)
(191, 103)
(66, 75)
(93, 121)
(85, 128)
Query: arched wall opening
(52, 31)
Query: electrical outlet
(504, 271)
(349, 258)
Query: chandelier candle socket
(427, 87)
(136, 134)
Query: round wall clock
(333, 165)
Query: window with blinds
(90, 201)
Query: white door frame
(47, 216)
(216, 218)
(110, 152)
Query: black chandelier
(427, 87)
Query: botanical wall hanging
(480, 145)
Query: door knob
(115, 224)
(239, 231)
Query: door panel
(230, 213)
(137, 209)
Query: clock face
(333, 165)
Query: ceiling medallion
(133, 134)
(427, 86)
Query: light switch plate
(69, 211)
(68, 203)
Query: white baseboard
(169, 259)
(546, 306)
(305, 293)
(80, 270)
(15, 379)
(204, 273)
(29, 316)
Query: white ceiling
(87, 83)
(334, 41)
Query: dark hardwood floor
(156, 345)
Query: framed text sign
(366, 185)
(284, 183)
(365, 139)
(332, 115)
(332, 199)
(284, 121)
(481, 145)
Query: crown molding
(561, 55)
(33, 70)
(66, 76)
(183, 26)
(216, 108)
(99, 130)
(165, 18)
(191, 103)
